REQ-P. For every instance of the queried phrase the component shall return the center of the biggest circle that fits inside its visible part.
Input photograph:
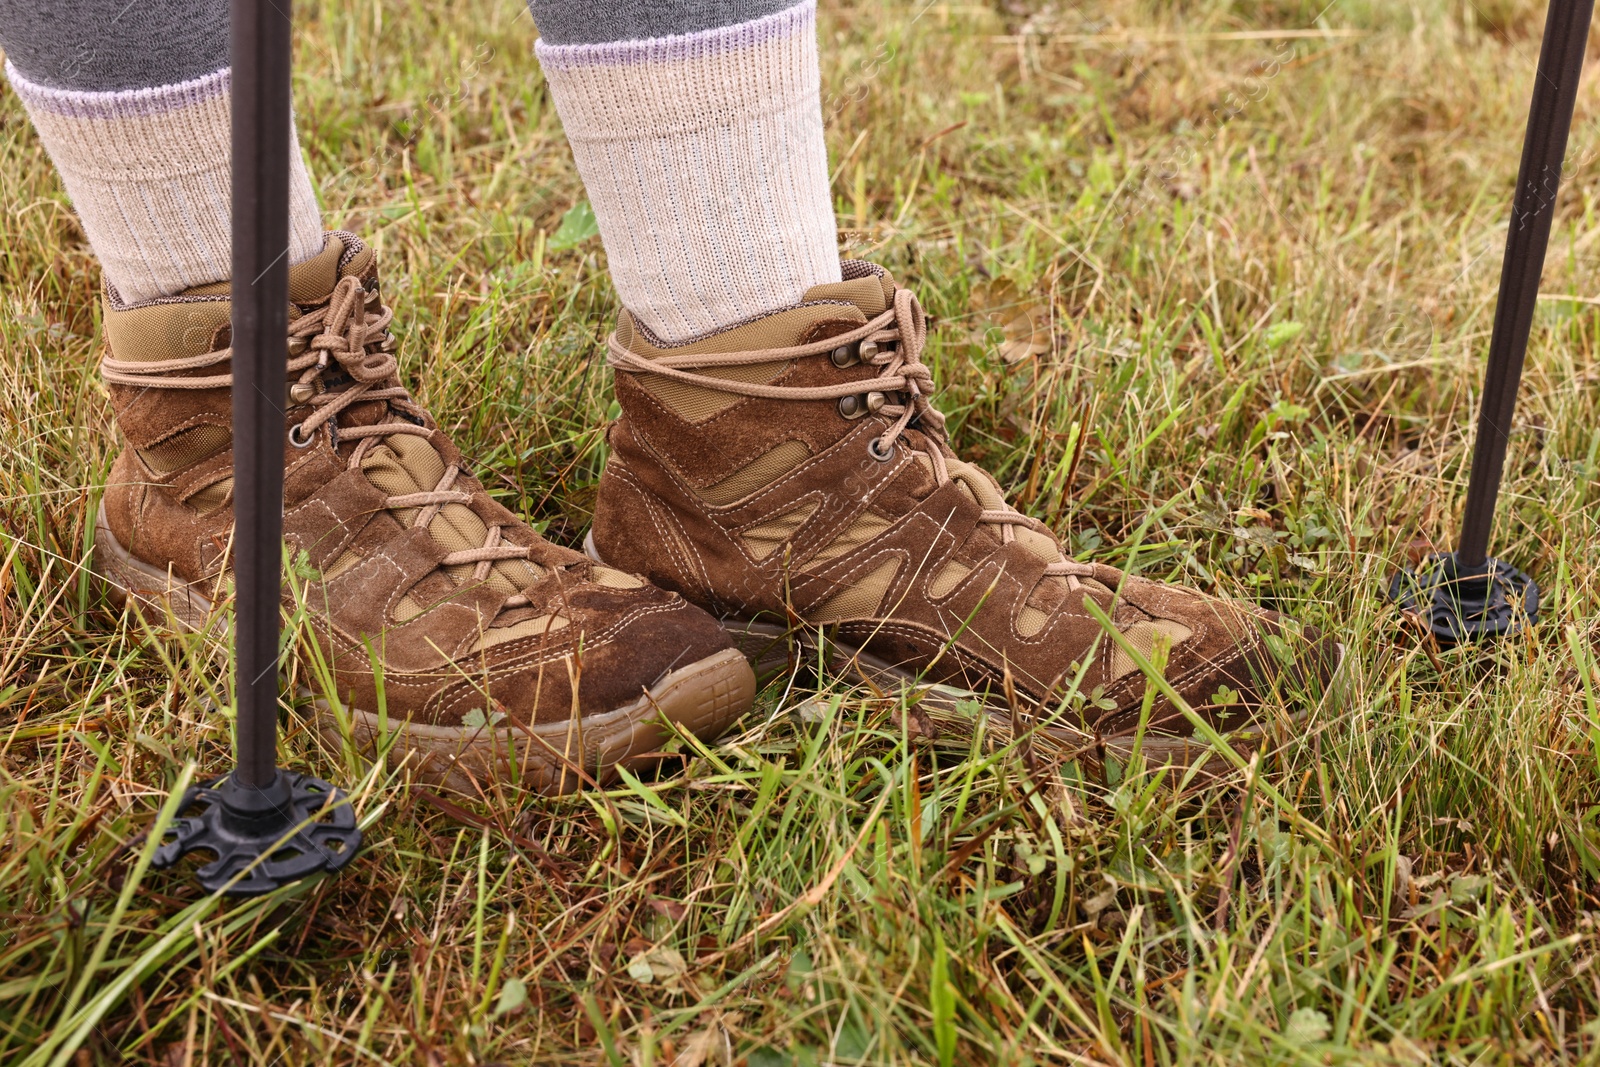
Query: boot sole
(772, 649)
(703, 698)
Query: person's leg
(491, 651)
(778, 460)
(697, 129)
(131, 102)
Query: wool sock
(702, 153)
(144, 161)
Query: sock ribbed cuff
(591, 22)
(703, 156)
(148, 174)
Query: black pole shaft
(260, 57)
(1566, 35)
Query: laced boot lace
(892, 342)
(349, 338)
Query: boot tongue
(315, 278)
(312, 280)
(871, 294)
(405, 464)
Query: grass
(1212, 297)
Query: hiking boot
(790, 475)
(493, 654)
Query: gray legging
(109, 45)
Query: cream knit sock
(704, 159)
(147, 171)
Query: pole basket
(262, 838)
(1462, 604)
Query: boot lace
(348, 336)
(899, 333)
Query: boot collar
(195, 321)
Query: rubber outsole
(703, 698)
(774, 649)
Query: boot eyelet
(844, 356)
(853, 407)
(868, 349)
(883, 456)
(297, 440)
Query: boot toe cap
(1282, 663)
(1259, 660)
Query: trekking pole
(277, 825)
(1466, 594)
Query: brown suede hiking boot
(493, 653)
(789, 475)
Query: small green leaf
(1306, 1026)
(1281, 333)
(1287, 411)
(658, 964)
(1102, 178)
(800, 968)
(577, 226)
(1466, 888)
(1225, 696)
(513, 997)
(474, 719)
(1030, 856)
